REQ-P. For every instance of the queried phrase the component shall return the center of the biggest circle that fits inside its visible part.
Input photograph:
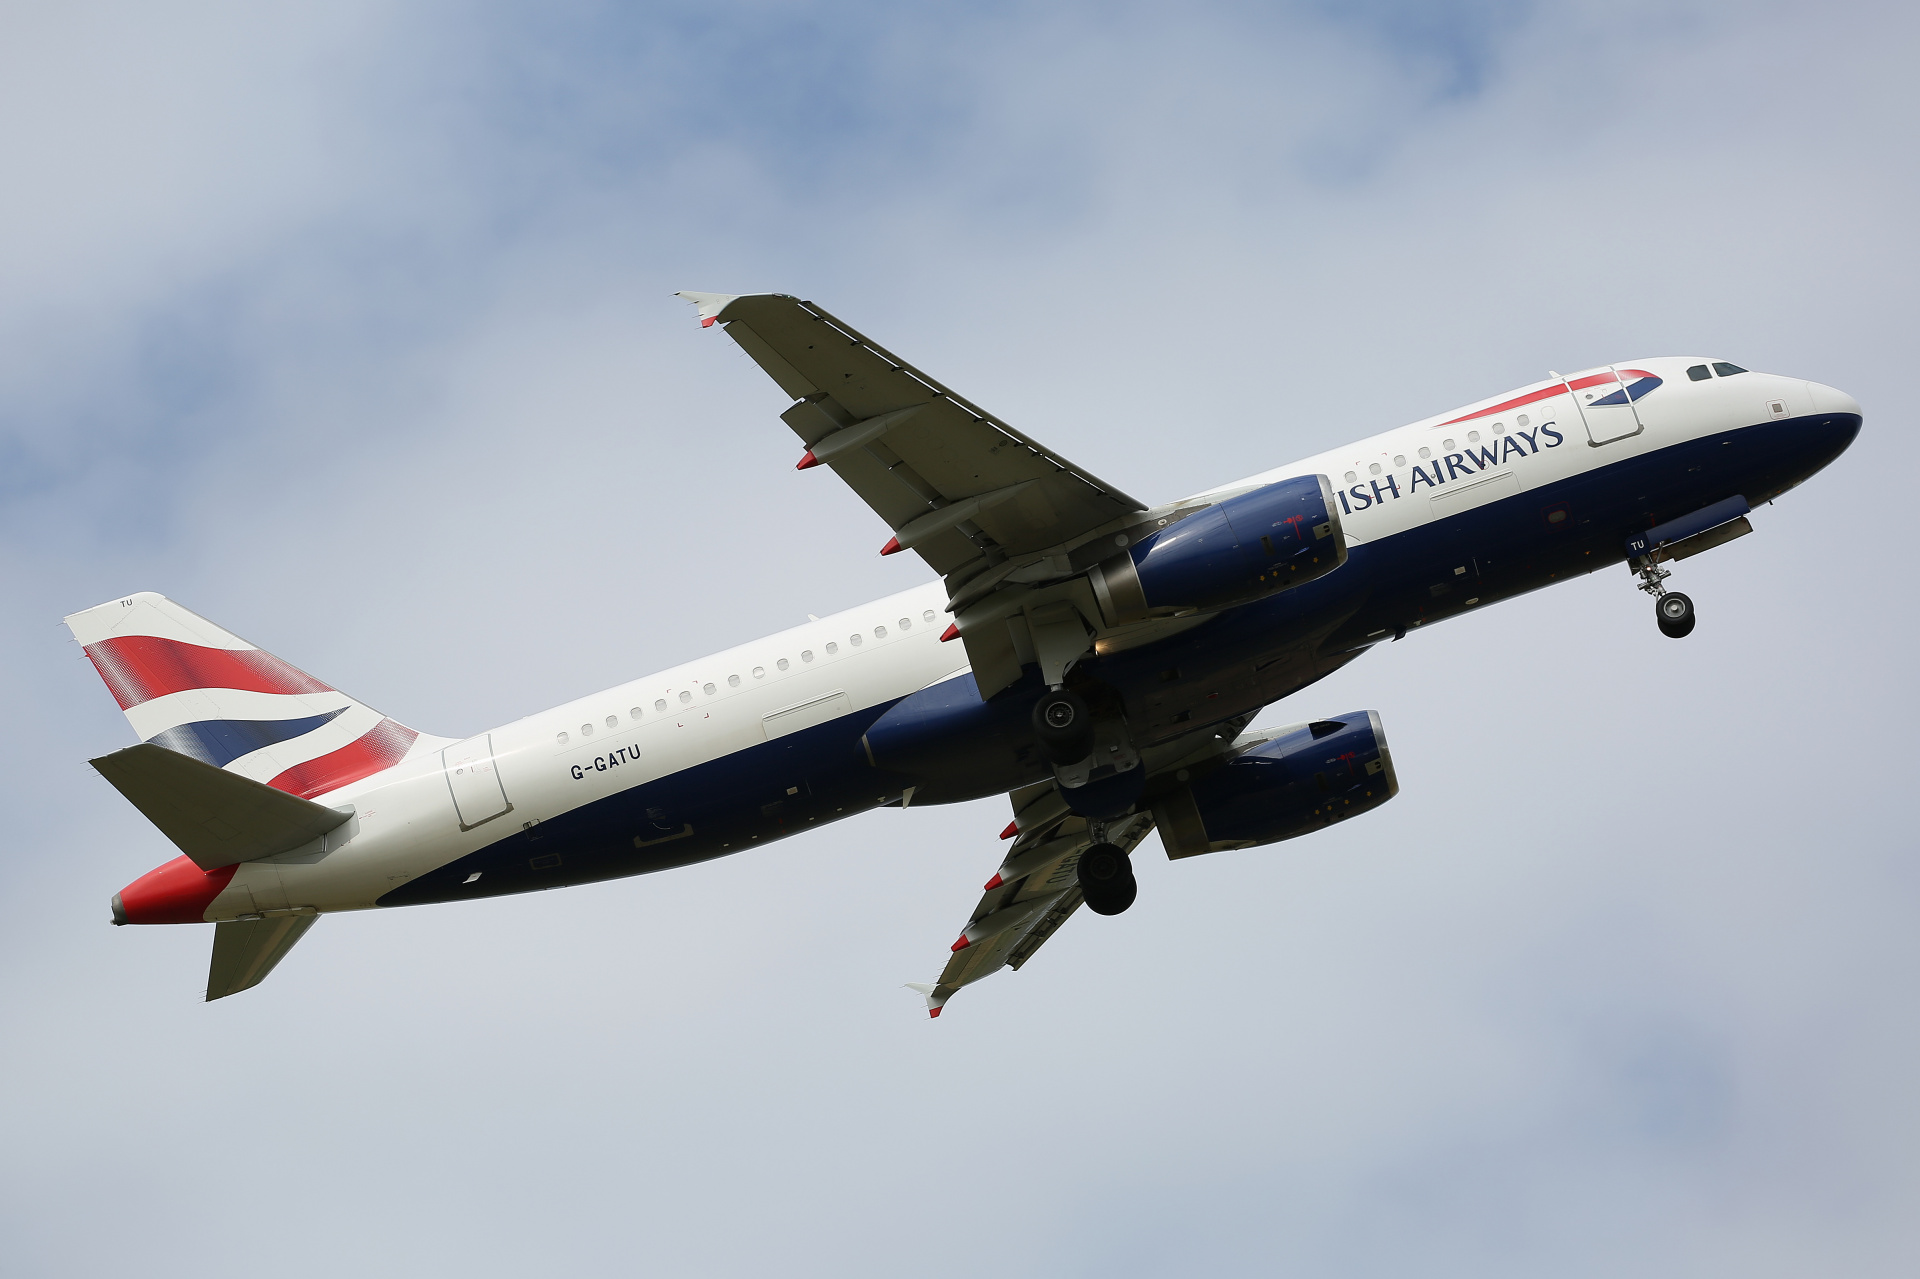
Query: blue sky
(345, 325)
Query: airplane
(1096, 659)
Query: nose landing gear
(1671, 610)
(1675, 614)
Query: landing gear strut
(1106, 879)
(1671, 610)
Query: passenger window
(855, 640)
(1521, 421)
(660, 706)
(1473, 437)
(927, 616)
(586, 730)
(831, 650)
(707, 689)
(782, 663)
(562, 740)
(1399, 459)
(806, 655)
(879, 632)
(1425, 453)
(686, 695)
(1447, 445)
(1374, 469)
(1726, 370)
(635, 712)
(759, 672)
(906, 624)
(733, 681)
(613, 721)
(1699, 373)
(1499, 428)
(1351, 477)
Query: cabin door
(474, 779)
(1607, 407)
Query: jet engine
(1267, 540)
(1302, 780)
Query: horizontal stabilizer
(216, 817)
(245, 951)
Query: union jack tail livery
(193, 688)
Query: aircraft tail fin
(246, 950)
(201, 691)
(215, 817)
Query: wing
(246, 950)
(975, 498)
(953, 481)
(1032, 893)
(1036, 887)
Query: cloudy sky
(350, 326)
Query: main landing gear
(1671, 610)
(1063, 727)
(1106, 879)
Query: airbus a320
(1094, 657)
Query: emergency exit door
(474, 779)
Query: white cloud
(301, 307)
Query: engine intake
(1303, 780)
(1271, 539)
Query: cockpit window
(1699, 373)
(1726, 370)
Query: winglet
(709, 305)
(934, 1002)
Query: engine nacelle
(1304, 780)
(1275, 537)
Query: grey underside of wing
(1042, 899)
(1010, 495)
(215, 817)
(246, 950)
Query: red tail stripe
(363, 757)
(139, 668)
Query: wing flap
(215, 817)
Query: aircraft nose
(1827, 399)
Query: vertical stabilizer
(194, 688)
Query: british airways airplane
(1094, 658)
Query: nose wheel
(1672, 611)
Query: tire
(1103, 864)
(1063, 726)
(1106, 879)
(1114, 899)
(1674, 613)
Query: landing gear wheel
(1113, 900)
(1675, 614)
(1063, 726)
(1106, 879)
